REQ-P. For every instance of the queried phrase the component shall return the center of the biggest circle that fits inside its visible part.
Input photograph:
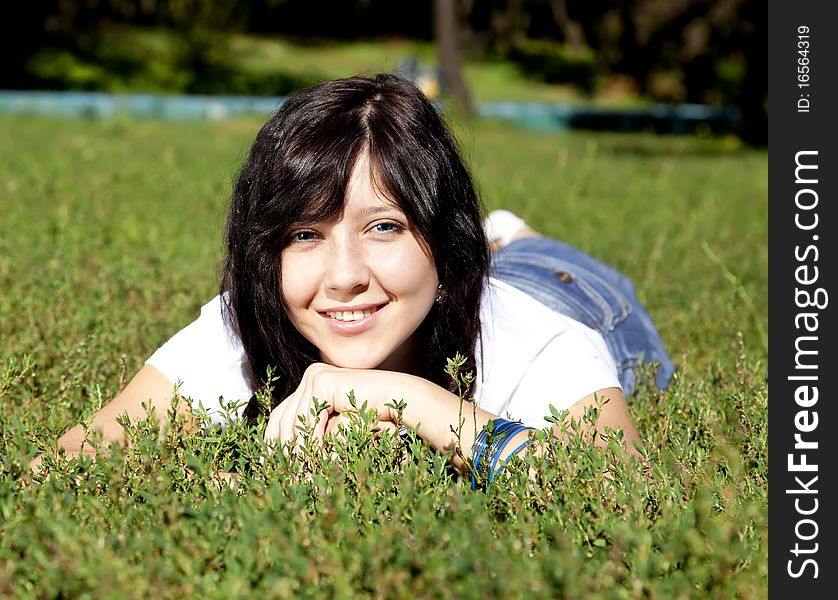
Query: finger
(313, 391)
(336, 421)
(388, 426)
(288, 421)
(271, 435)
(299, 418)
(289, 408)
(370, 387)
(322, 421)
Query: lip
(349, 328)
(352, 308)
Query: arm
(433, 409)
(436, 411)
(149, 385)
(614, 413)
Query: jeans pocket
(567, 288)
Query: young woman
(358, 260)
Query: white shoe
(501, 227)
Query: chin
(353, 362)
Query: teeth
(350, 315)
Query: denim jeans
(581, 287)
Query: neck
(406, 359)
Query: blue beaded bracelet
(503, 430)
(511, 454)
(493, 471)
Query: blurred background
(672, 66)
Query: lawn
(110, 240)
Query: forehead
(365, 193)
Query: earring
(440, 294)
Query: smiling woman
(358, 261)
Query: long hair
(298, 169)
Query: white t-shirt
(529, 358)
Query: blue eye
(387, 227)
(303, 236)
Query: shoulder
(531, 357)
(207, 359)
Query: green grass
(110, 237)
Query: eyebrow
(371, 211)
(366, 213)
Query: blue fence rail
(103, 105)
(681, 118)
(661, 118)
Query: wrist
(445, 421)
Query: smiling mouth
(351, 315)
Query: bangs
(405, 172)
(316, 181)
(313, 176)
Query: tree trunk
(446, 28)
(753, 128)
(571, 30)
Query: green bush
(553, 62)
(117, 72)
(122, 59)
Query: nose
(347, 271)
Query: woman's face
(359, 286)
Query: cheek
(409, 271)
(424, 274)
(295, 282)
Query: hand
(331, 386)
(337, 421)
